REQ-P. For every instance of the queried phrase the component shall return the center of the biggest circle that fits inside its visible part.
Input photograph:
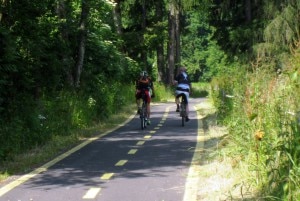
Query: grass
(223, 176)
(200, 89)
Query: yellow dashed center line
(121, 162)
(107, 176)
(140, 143)
(92, 193)
(132, 151)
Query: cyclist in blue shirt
(184, 85)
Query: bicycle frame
(183, 103)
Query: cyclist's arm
(137, 84)
(175, 81)
(152, 87)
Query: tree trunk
(248, 11)
(5, 12)
(171, 43)
(144, 18)
(3, 6)
(177, 38)
(64, 32)
(117, 17)
(160, 46)
(81, 41)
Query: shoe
(187, 119)
(177, 110)
(148, 122)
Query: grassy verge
(221, 175)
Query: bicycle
(143, 111)
(183, 103)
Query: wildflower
(41, 117)
(259, 135)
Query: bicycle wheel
(183, 113)
(143, 116)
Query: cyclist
(183, 86)
(145, 83)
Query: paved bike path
(127, 164)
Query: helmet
(182, 69)
(144, 73)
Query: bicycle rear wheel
(183, 113)
(143, 116)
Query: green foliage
(200, 52)
(22, 130)
(38, 43)
(155, 35)
(215, 62)
(200, 89)
(163, 93)
(194, 44)
(275, 37)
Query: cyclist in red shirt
(145, 83)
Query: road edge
(191, 186)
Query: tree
(117, 14)
(173, 11)
(81, 40)
(176, 8)
(63, 12)
(160, 41)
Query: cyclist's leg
(148, 110)
(177, 99)
(148, 98)
(138, 100)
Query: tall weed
(261, 110)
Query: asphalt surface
(126, 164)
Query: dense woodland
(67, 64)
